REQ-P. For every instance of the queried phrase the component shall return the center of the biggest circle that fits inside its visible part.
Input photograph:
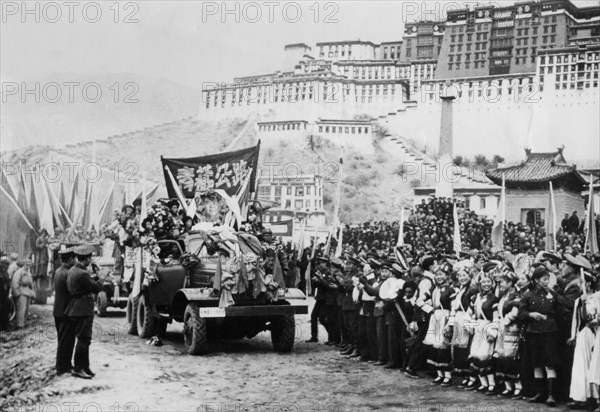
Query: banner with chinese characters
(227, 171)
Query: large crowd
(512, 321)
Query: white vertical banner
(400, 241)
(457, 240)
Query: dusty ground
(243, 375)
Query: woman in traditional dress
(484, 335)
(593, 372)
(539, 308)
(506, 354)
(582, 336)
(438, 336)
(459, 324)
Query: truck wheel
(102, 303)
(146, 322)
(132, 306)
(283, 333)
(194, 331)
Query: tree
(498, 159)
(458, 161)
(481, 160)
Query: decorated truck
(212, 274)
(215, 283)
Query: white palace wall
(505, 123)
(498, 116)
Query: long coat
(82, 287)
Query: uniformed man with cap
(64, 328)
(349, 307)
(423, 310)
(319, 312)
(82, 287)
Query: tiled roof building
(528, 184)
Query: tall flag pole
(551, 223)
(591, 237)
(457, 240)
(143, 212)
(338, 192)
(400, 241)
(338, 250)
(498, 228)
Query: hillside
(370, 188)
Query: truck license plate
(212, 312)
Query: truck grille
(246, 298)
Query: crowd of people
(515, 322)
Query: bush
(458, 160)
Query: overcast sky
(188, 42)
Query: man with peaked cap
(368, 332)
(64, 328)
(349, 307)
(333, 302)
(80, 310)
(319, 312)
(423, 310)
(390, 294)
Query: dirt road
(244, 375)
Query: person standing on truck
(82, 287)
(64, 328)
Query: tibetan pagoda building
(528, 184)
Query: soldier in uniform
(349, 307)
(64, 329)
(82, 287)
(319, 312)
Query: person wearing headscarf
(582, 337)
(484, 334)
(539, 308)
(506, 353)
(438, 336)
(458, 324)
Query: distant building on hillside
(527, 187)
(297, 193)
(490, 40)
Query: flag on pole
(21, 198)
(74, 195)
(457, 240)
(143, 211)
(338, 250)
(104, 213)
(400, 241)
(338, 192)
(54, 207)
(7, 184)
(34, 211)
(551, 223)
(591, 237)
(498, 228)
(309, 268)
(46, 218)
